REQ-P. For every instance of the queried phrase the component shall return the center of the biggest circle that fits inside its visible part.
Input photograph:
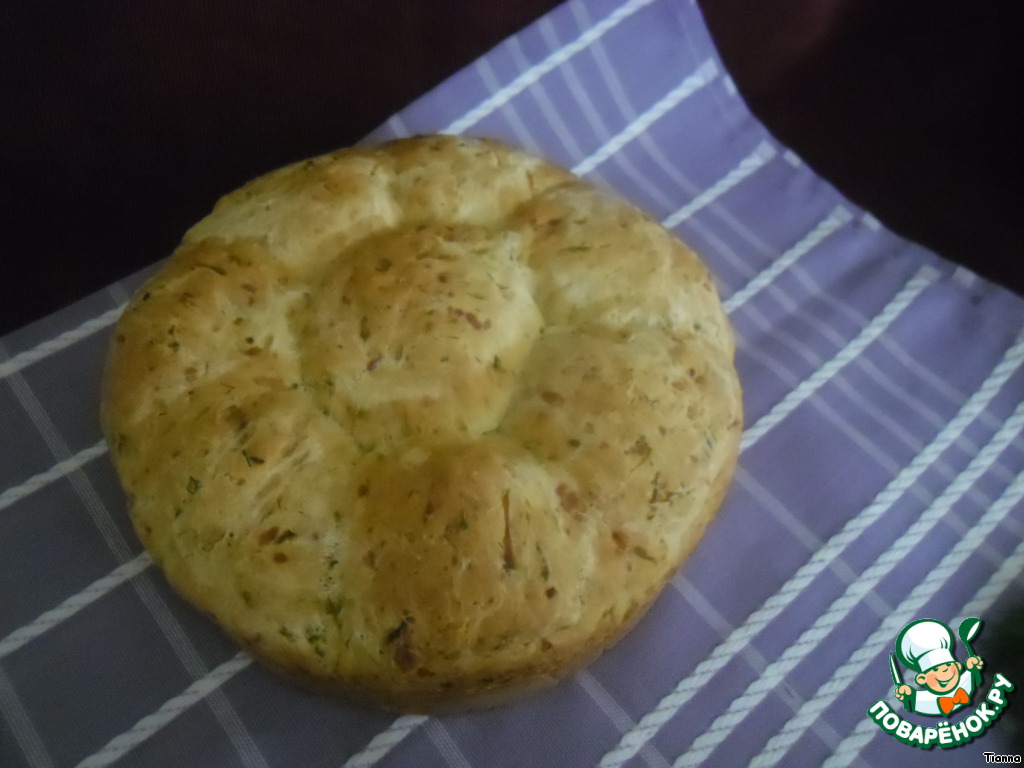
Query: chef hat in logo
(924, 644)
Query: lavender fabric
(879, 482)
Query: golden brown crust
(428, 422)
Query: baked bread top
(428, 422)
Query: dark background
(121, 122)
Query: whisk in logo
(943, 686)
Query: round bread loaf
(427, 423)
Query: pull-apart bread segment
(427, 423)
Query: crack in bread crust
(428, 423)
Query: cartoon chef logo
(944, 686)
(926, 646)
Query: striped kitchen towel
(880, 476)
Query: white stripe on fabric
(837, 218)
(183, 647)
(398, 127)
(385, 741)
(850, 747)
(64, 340)
(151, 598)
(840, 608)
(924, 277)
(757, 159)
(803, 350)
(509, 111)
(754, 658)
(21, 726)
(543, 101)
(58, 447)
(622, 160)
(617, 715)
(572, 81)
(871, 222)
(908, 361)
(595, 121)
(883, 636)
(715, 620)
(806, 244)
(941, 386)
(621, 100)
(799, 530)
(938, 384)
(446, 745)
(73, 604)
(855, 397)
(910, 400)
(118, 294)
(540, 69)
(57, 471)
(654, 192)
(704, 74)
(853, 432)
(150, 724)
(636, 125)
(742, 264)
(1010, 570)
(651, 723)
(237, 731)
(597, 51)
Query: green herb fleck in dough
(250, 460)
